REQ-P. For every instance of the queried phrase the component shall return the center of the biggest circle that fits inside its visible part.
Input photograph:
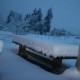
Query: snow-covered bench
(49, 51)
(1, 46)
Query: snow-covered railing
(47, 45)
(1, 46)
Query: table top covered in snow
(46, 44)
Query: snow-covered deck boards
(47, 45)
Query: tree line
(32, 23)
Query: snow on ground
(6, 36)
(71, 74)
(13, 67)
(5, 33)
(48, 45)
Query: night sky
(66, 12)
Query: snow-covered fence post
(78, 60)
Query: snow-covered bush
(47, 21)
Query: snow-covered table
(1, 46)
(47, 46)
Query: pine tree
(11, 14)
(14, 17)
(14, 20)
(33, 20)
(1, 27)
(39, 21)
(47, 20)
(39, 15)
(27, 17)
(19, 18)
(34, 12)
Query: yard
(14, 67)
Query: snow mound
(6, 36)
(72, 74)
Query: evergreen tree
(34, 12)
(14, 17)
(19, 18)
(14, 20)
(39, 15)
(27, 17)
(1, 27)
(33, 20)
(47, 20)
(39, 25)
(11, 14)
(58, 32)
(63, 32)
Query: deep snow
(13, 67)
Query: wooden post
(78, 60)
(56, 64)
(20, 49)
(23, 50)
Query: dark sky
(66, 12)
